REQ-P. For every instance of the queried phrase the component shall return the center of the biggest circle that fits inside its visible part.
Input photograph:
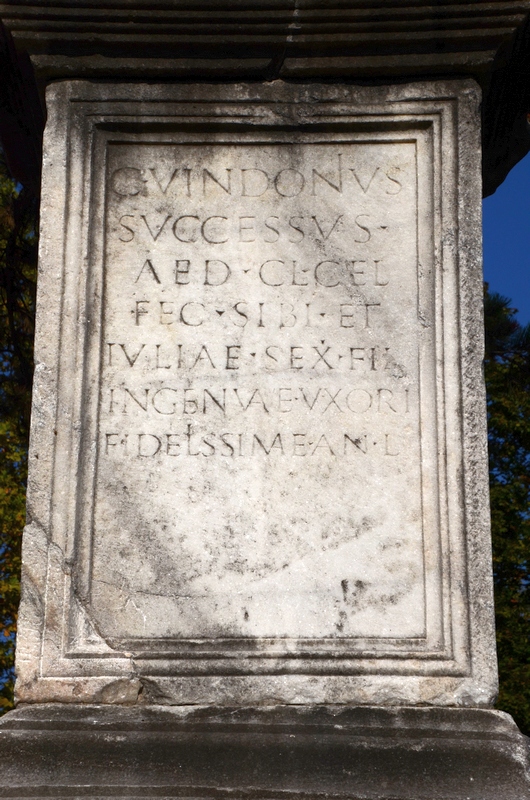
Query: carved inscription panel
(262, 448)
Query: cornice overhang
(278, 38)
(352, 40)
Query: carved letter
(157, 444)
(184, 273)
(367, 306)
(130, 216)
(148, 267)
(131, 359)
(359, 442)
(295, 190)
(139, 310)
(324, 236)
(271, 227)
(276, 443)
(204, 353)
(366, 186)
(247, 231)
(398, 186)
(319, 279)
(154, 401)
(245, 192)
(232, 358)
(215, 267)
(207, 235)
(185, 314)
(263, 277)
(155, 236)
(366, 230)
(179, 234)
(207, 174)
(168, 184)
(127, 182)
(359, 408)
(337, 186)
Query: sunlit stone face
(258, 470)
(259, 418)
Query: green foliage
(507, 370)
(18, 259)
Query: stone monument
(257, 555)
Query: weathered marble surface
(259, 396)
(167, 752)
(259, 470)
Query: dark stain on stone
(342, 619)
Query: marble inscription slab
(259, 423)
(259, 469)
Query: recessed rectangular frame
(60, 656)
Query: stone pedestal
(260, 398)
(278, 752)
(257, 558)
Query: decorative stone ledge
(309, 38)
(352, 41)
(279, 752)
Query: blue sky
(507, 239)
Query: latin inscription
(259, 410)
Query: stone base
(277, 752)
